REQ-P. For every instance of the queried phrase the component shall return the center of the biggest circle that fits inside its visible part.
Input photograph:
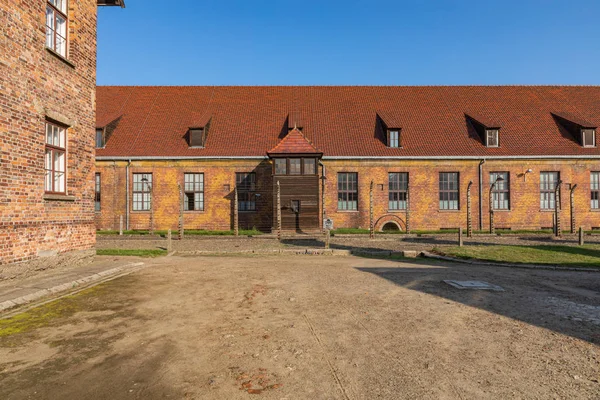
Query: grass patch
(584, 256)
(193, 232)
(44, 315)
(129, 252)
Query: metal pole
(371, 227)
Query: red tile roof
(294, 143)
(343, 121)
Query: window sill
(193, 211)
(501, 211)
(59, 197)
(60, 57)
(448, 211)
(594, 209)
(140, 211)
(397, 211)
(548, 210)
(348, 211)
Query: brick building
(47, 121)
(423, 149)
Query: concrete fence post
(407, 209)
(460, 237)
(278, 211)
(120, 225)
(581, 241)
(169, 242)
(236, 222)
(572, 207)
(181, 231)
(557, 227)
(371, 222)
(469, 217)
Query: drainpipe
(127, 195)
(323, 178)
(481, 194)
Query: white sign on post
(328, 224)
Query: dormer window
(588, 137)
(196, 137)
(394, 138)
(492, 137)
(100, 142)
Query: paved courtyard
(311, 327)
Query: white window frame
(193, 183)
(583, 131)
(55, 10)
(55, 159)
(493, 132)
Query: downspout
(323, 178)
(481, 194)
(127, 195)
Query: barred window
(280, 166)
(246, 187)
(142, 192)
(310, 166)
(548, 182)
(595, 189)
(56, 26)
(398, 187)
(295, 166)
(97, 193)
(501, 191)
(348, 191)
(449, 192)
(193, 192)
(55, 162)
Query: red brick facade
(425, 213)
(38, 85)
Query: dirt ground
(321, 327)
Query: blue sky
(331, 42)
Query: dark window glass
(194, 192)
(97, 193)
(99, 138)
(142, 192)
(449, 193)
(595, 189)
(280, 166)
(398, 187)
(310, 166)
(246, 187)
(501, 191)
(348, 191)
(295, 166)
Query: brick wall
(525, 210)
(36, 85)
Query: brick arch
(393, 218)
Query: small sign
(328, 223)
